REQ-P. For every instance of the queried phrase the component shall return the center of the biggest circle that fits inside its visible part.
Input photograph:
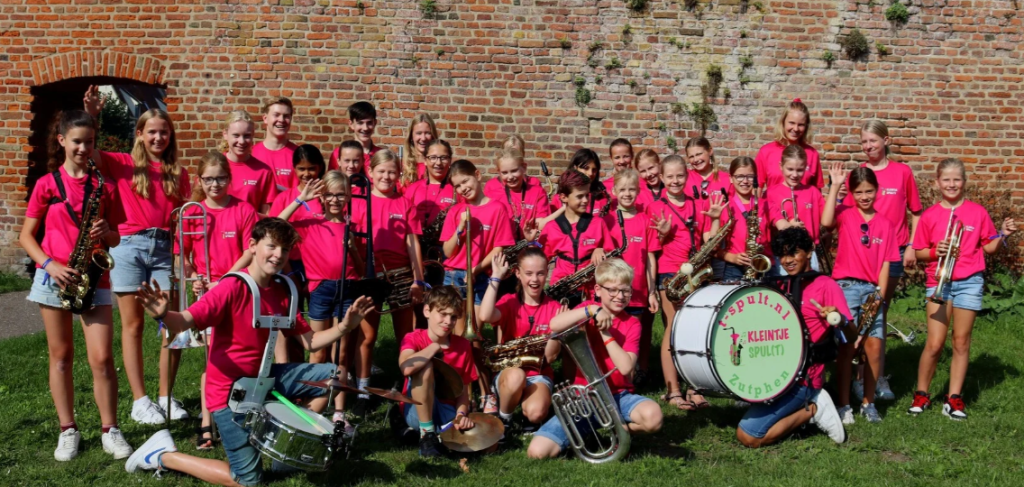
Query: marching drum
(282, 435)
(739, 340)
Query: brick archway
(76, 64)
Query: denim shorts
(635, 310)
(244, 459)
(779, 271)
(662, 276)
(324, 302)
(457, 278)
(46, 294)
(761, 417)
(536, 379)
(896, 267)
(856, 291)
(139, 258)
(965, 293)
(553, 431)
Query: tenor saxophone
(694, 273)
(527, 351)
(87, 258)
(567, 285)
(429, 239)
(759, 263)
(869, 312)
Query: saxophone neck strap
(581, 226)
(793, 286)
(59, 182)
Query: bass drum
(739, 340)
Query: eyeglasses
(745, 177)
(439, 158)
(335, 196)
(221, 180)
(865, 240)
(617, 292)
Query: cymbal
(332, 383)
(447, 381)
(485, 434)
(392, 395)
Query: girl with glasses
(867, 244)
(743, 174)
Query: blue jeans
(965, 293)
(46, 294)
(244, 459)
(324, 302)
(856, 291)
(553, 430)
(457, 278)
(896, 267)
(761, 417)
(142, 257)
(718, 269)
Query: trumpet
(945, 265)
(470, 331)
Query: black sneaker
(509, 425)
(430, 446)
(528, 428)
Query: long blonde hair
(235, 116)
(169, 168)
(780, 127)
(211, 159)
(409, 158)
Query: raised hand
(837, 171)
(311, 190)
(661, 224)
(530, 230)
(499, 265)
(92, 102)
(1009, 226)
(360, 308)
(155, 302)
(716, 203)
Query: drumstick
(297, 410)
(833, 318)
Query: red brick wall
(950, 85)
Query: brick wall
(949, 85)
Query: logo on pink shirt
(249, 182)
(890, 191)
(590, 241)
(228, 234)
(396, 216)
(486, 227)
(284, 172)
(636, 239)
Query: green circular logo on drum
(757, 344)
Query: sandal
(696, 403)
(676, 399)
(202, 442)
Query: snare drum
(282, 435)
(739, 340)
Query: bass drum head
(757, 344)
(691, 330)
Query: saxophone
(87, 258)
(868, 314)
(429, 239)
(565, 287)
(759, 263)
(522, 352)
(689, 278)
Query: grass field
(697, 448)
(13, 282)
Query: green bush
(117, 126)
(636, 5)
(897, 13)
(855, 45)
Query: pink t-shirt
(626, 332)
(367, 155)
(459, 355)
(978, 231)
(520, 205)
(809, 203)
(825, 292)
(897, 193)
(61, 231)
(520, 320)
(491, 227)
(324, 241)
(430, 199)
(647, 197)
(736, 242)
(769, 166)
(675, 250)
(237, 347)
(642, 241)
(718, 183)
(285, 198)
(252, 181)
(854, 260)
(393, 219)
(229, 229)
(280, 162)
(143, 213)
(558, 245)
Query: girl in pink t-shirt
(432, 195)
(422, 131)
(252, 180)
(652, 189)
(620, 151)
(794, 204)
(151, 185)
(960, 299)
(705, 180)
(742, 171)
(527, 312)
(71, 146)
(867, 244)
(793, 129)
(523, 197)
(588, 163)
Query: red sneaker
(922, 401)
(954, 408)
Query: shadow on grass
(352, 472)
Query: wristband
(461, 232)
(304, 204)
(46, 263)
(494, 279)
(160, 319)
(460, 413)
(586, 311)
(422, 284)
(609, 340)
(932, 253)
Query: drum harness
(826, 349)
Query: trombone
(470, 332)
(945, 265)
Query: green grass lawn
(693, 449)
(13, 282)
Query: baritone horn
(945, 265)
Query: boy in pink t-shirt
(362, 121)
(236, 351)
(614, 338)
(442, 307)
(276, 150)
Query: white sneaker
(857, 388)
(147, 457)
(145, 411)
(882, 390)
(115, 444)
(826, 418)
(67, 445)
(846, 414)
(177, 410)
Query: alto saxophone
(566, 286)
(694, 273)
(431, 236)
(527, 351)
(87, 258)
(869, 312)
(759, 263)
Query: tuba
(945, 265)
(695, 272)
(592, 405)
(87, 258)
(759, 263)
(470, 332)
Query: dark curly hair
(788, 241)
